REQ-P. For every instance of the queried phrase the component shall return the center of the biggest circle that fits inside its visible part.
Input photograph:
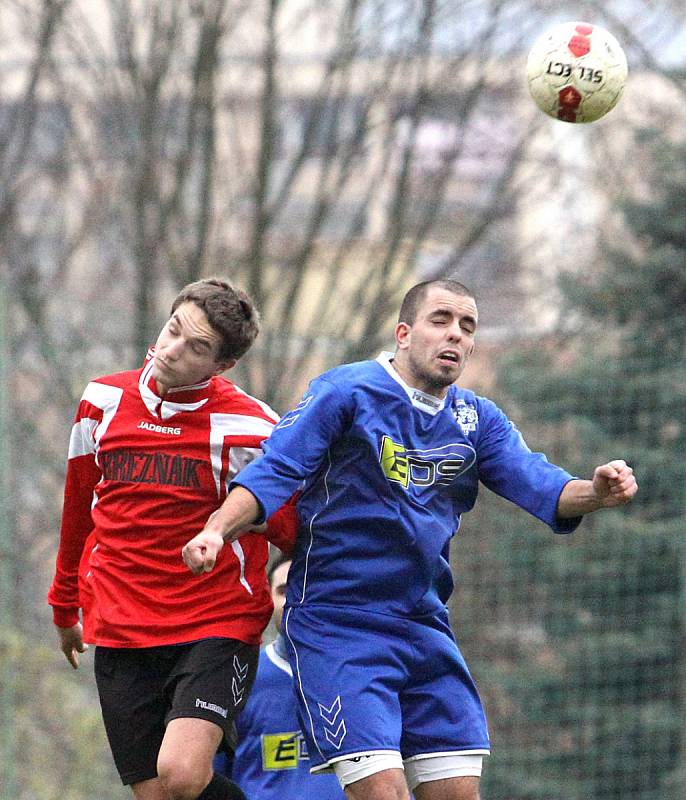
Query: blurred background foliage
(326, 156)
(591, 701)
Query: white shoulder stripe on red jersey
(240, 457)
(107, 399)
(103, 396)
(81, 441)
(240, 425)
(227, 425)
(240, 555)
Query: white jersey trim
(107, 399)
(419, 399)
(168, 410)
(298, 683)
(311, 525)
(223, 425)
(164, 409)
(81, 441)
(277, 660)
(240, 555)
(239, 458)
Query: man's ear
(223, 366)
(402, 335)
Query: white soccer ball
(576, 72)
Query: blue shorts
(369, 683)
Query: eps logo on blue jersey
(440, 465)
(283, 750)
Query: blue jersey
(386, 472)
(271, 759)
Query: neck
(411, 379)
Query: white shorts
(418, 769)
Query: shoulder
(228, 398)
(475, 414)
(347, 372)
(107, 390)
(342, 389)
(353, 375)
(119, 379)
(483, 405)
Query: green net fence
(577, 642)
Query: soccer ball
(576, 72)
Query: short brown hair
(229, 310)
(282, 558)
(415, 296)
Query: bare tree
(325, 155)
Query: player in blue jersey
(271, 760)
(389, 454)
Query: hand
(614, 484)
(200, 553)
(71, 643)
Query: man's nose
(455, 333)
(175, 348)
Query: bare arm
(234, 517)
(613, 484)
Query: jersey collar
(181, 398)
(273, 653)
(425, 402)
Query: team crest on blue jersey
(465, 416)
(420, 468)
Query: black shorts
(142, 689)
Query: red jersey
(144, 474)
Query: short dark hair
(229, 310)
(282, 558)
(415, 296)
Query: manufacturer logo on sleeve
(223, 712)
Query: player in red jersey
(150, 456)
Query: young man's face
(278, 583)
(187, 350)
(434, 350)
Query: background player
(150, 456)
(392, 453)
(271, 760)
